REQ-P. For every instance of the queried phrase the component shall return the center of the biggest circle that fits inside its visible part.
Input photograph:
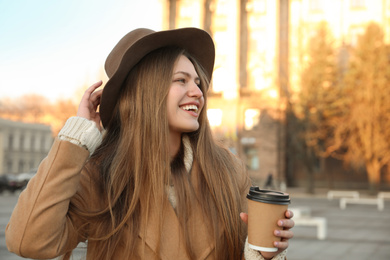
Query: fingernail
(276, 244)
(280, 223)
(277, 232)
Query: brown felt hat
(138, 43)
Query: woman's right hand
(89, 104)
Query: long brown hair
(135, 167)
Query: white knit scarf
(188, 159)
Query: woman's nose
(195, 91)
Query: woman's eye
(181, 80)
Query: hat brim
(195, 41)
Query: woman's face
(185, 99)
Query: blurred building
(22, 145)
(260, 45)
(243, 107)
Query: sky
(54, 48)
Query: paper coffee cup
(265, 208)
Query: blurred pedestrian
(142, 178)
(269, 183)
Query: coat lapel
(172, 244)
(201, 233)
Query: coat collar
(188, 153)
(172, 244)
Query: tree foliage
(362, 133)
(38, 109)
(319, 91)
(313, 113)
(347, 115)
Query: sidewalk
(359, 232)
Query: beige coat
(41, 226)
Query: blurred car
(10, 182)
(3, 182)
(13, 182)
(25, 177)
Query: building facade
(22, 146)
(260, 51)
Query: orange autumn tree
(34, 108)
(362, 133)
(312, 124)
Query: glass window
(43, 143)
(10, 141)
(355, 33)
(252, 158)
(215, 117)
(252, 118)
(32, 143)
(21, 145)
(316, 5)
(21, 166)
(358, 3)
(9, 166)
(257, 6)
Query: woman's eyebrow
(186, 74)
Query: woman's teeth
(190, 107)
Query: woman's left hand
(285, 234)
(89, 104)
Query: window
(252, 158)
(43, 143)
(31, 164)
(256, 6)
(316, 5)
(32, 143)
(21, 166)
(9, 166)
(358, 3)
(10, 142)
(21, 145)
(252, 118)
(355, 33)
(215, 117)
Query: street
(359, 232)
(7, 203)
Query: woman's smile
(191, 108)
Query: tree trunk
(374, 175)
(309, 172)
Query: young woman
(142, 178)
